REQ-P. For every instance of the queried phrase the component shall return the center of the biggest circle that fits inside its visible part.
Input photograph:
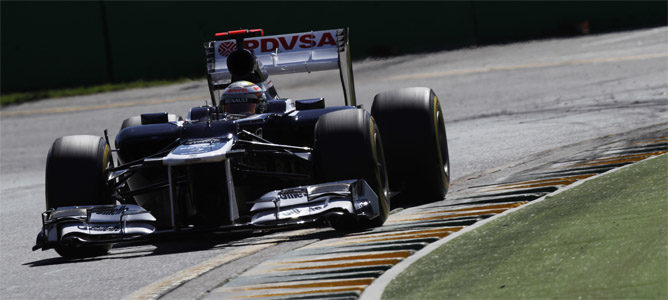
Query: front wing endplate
(93, 224)
(309, 203)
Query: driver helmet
(243, 97)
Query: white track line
(171, 282)
(163, 286)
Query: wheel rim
(380, 165)
(443, 143)
(380, 171)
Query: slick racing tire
(415, 143)
(75, 175)
(348, 146)
(136, 121)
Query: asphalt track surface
(501, 103)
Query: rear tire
(75, 175)
(348, 146)
(415, 143)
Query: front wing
(100, 224)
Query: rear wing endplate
(303, 52)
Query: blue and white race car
(251, 159)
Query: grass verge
(16, 98)
(607, 238)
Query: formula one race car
(251, 160)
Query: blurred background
(47, 45)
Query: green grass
(16, 98)
(607, 238)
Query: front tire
(415, 142)
(348, 146)
(75, 176)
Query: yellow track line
(619, 159)
(69, 109)
(474, 208)
(526, 66)
(320, 284)
(351, 289)
(653, 141)
(540, 183)
(410, 232)
(450, 216)
(528, 186)
(393, 78)
(440, 233)
(401, 254)
(380, 262)
(556, 179)
(613, 157)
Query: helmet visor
(240, 108)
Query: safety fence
(63, 44)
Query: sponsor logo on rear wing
(281, 54)
(303, 52)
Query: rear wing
(303, 52)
